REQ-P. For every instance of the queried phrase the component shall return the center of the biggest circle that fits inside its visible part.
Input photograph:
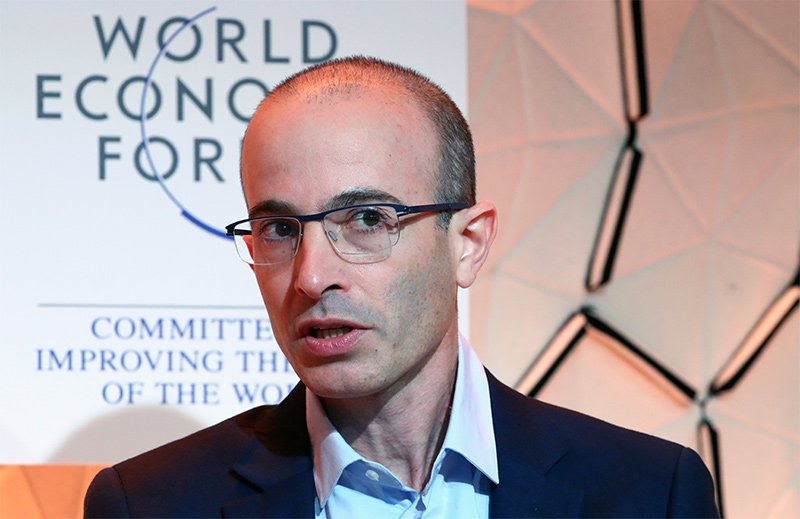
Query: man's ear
(473, 230)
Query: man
(359, 181)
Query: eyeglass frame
(400, 210)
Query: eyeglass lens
(359, 235)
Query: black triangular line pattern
(610, 256)
(590, 283)
(618, 222)
(628, 344)
(717, 386)
(622, 61)
(608, 268)
(716, 460)
(594, 321)
(542, 382)
(641, 61)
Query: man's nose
(317, 266)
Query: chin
(333, 383)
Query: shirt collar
(331, 453)
(470, 431)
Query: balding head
(349, 78)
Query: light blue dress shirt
(349, 485)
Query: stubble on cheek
(421, 301)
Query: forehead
(304, 149)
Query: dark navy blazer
(553, 463)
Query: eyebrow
(346, 198)
(358, 196)
(268, 207)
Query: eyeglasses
(363, 233)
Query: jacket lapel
(526, 451)
(532, 494)
(290, 497)
(277, 464)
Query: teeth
(329, 333)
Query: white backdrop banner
(127, 320)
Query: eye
(368, 219)
(275, 229)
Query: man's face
(352, 330)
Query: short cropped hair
(455, 168)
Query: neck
(402, 428)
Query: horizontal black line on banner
(177, 307)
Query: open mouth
(329, 333)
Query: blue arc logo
(143, 130)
